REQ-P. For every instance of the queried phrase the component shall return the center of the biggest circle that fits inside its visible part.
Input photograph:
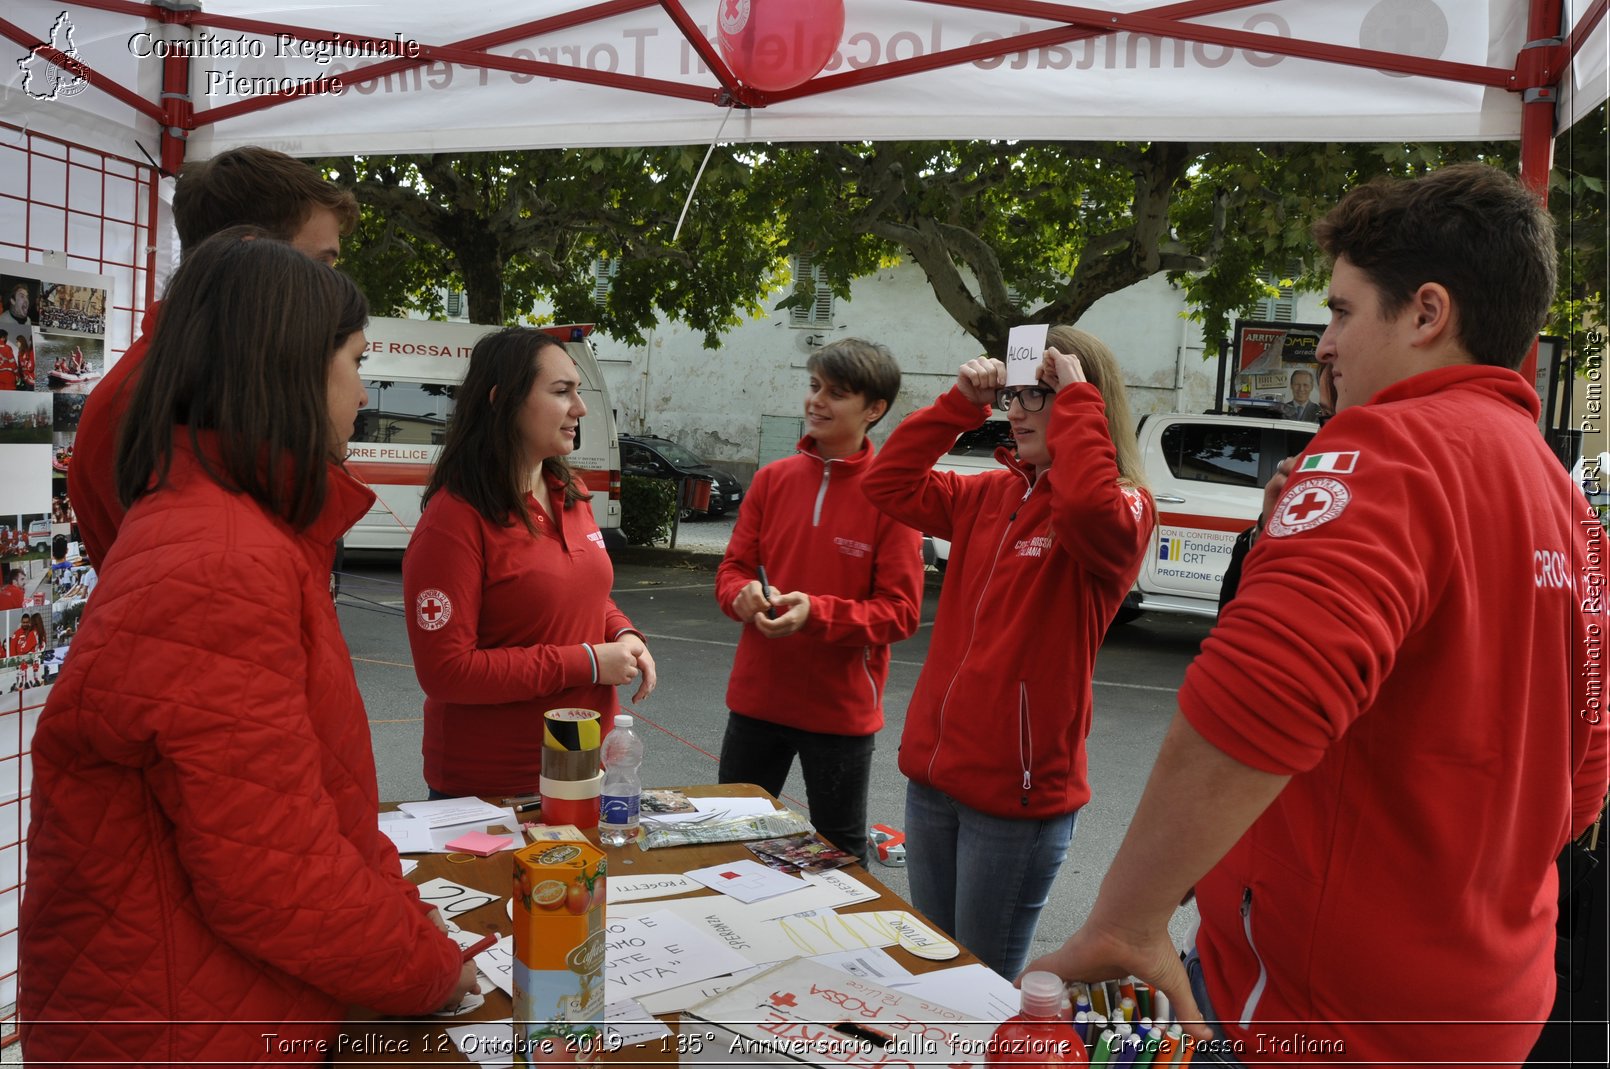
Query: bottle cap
(624, 720)
(1043, 994)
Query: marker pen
(1129, 1051)
(1162, 1014)
(486, 942)
(1126, 1006)
(1151, 1044)
(1081, 1024)
(760, 573)
(1098, 999)
(1143, 1000)
(1106, 1047)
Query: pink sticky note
(480, 843)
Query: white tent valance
(634, 72)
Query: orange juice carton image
(558, 953)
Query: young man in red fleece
(853, 578)
(1377, 850)
(252, 185)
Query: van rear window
(1205, 452)
(983, 441)
(405, 413)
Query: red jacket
(1404, 645)
(806, 520)
(204, 861)
(24, 640)
(1037, 572)
(91, 478)
(500, 624)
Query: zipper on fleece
(1263, 972)
(866, 666)
(821, 494)
(944, 702)
(1025, 736)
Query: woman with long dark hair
(205, 870)
(506, 580)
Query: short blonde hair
(1101, 368)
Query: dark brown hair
(255, 186)
(242, 349)
(864, 367)
(1469, 227)
(482, 459)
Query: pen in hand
(487, 942)
(771, 610)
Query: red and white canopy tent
(180, 79)
(632, 72)
(136, 88)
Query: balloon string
(702, 164)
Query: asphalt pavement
(669, 595)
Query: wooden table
(392, 1041)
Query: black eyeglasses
(1032, 398)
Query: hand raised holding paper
(1058, 369)
(979, 379)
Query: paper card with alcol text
(1025, 347)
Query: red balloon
(778, 44)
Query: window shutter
(819, 312)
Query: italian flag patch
(1341, 463)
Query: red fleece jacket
(1001, 711)
(806, 520)
(500, 623)
(1411, 643)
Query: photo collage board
(52, 353)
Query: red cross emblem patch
(432, 609)
(1307, 504)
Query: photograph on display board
(72, 309)
(70, 363)
(25, 632)
(1277, 369)
(25, 583)
(25, 536)
(25, 418)
(61, 455)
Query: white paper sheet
(631, 1023)
(747, 881)
(871, 964)
(489, 1044)
(1025, 348)
(677, 999)
(652, 885)
(453, 899)
(975, 989)
(448, 811)
(658, 951)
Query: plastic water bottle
(1042, 1032)
(623, 784)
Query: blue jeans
(1218, 1053)
(982, 879)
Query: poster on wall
(1276, 369)
(52, 352)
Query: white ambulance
(412, 368)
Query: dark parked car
(663, 459)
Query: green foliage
(1007, 232)
(512, 227)
(648, 509)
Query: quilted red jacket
(206, 879)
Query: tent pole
(1538, 104)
